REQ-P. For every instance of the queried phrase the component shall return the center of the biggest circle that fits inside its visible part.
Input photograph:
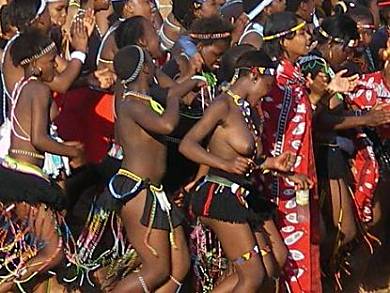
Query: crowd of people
(228, 146)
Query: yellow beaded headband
(38, 55)
(285, 33)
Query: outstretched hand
(340, 84)
(283, 163)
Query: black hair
(130, 31)
(293, 5)
(229, 60)
(4, 19)
(360, 13)
(126, 61)
(184, 12)
(342, 27)
(249, 5)
(366, 3)
(27, 44)
(22, 12)
(277, 23)
(255, 59)
(211, 25)
(339, 8)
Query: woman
(182, 15)
(135, 192)
(288, 128)
(225, 200)
(28, 197)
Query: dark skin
(230, 147)
(136, 129)
(32, 111)
(61, 82)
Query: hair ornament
(138, 67)
(210, 36)
(38, 55)
(350, 44)
(285, 33)
(41, 9)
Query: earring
(36, 71)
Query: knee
(252, 278)
(158, 273)
(281, 256)
(53, 256)
(349, 233)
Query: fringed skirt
(225, 197)
(31, 221)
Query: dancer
(31, 205)
(225, 199)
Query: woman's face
(366, 32)
(44, 21)
(338, 54)
(277, 6)
(209, 8)
(261, 87)
(57, 12)
(299, 45)
(151, 40)
(138, 8)
(48, 65)
(212, 53)
(101, 5)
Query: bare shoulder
(39, 89)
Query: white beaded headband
(138, 68)
(38, 55)
(41, 9)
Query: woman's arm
(190, 146)
(40, 122)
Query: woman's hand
(78, 158)
(238, 165)
(79, 36)
(301, 181)
(283, 163)
(340, 84)
(89, 21)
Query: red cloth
(87, 116)
(288, 127)
(372, 89)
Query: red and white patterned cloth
(288, 127)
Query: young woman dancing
(225, 199)
(32, 205)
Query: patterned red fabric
(365, 170)
(371, 90)
(288, 127)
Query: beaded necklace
(246, 113)
(154, 104)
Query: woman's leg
(155, 269)
(44, 227)
(238, 241)
(180, 262)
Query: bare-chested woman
(32, 205)
(225, 200)
(152, 223)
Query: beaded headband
(38, 55)
(138, 68)
(383, 4)
(351, 43)
(258, 9)
(198, 3)
(41, 9)
(211, 36)
(366, 26)
(285, 33)
(255, 70)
